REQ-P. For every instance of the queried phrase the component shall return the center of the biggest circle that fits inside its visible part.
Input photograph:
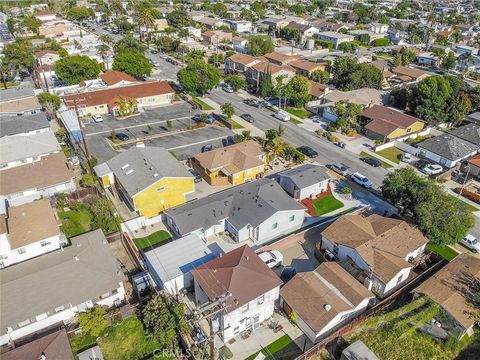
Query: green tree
(178, 18)
(237, 82)
(228, 110)
(298, 91)
(404, 57)
(133, 63)
(349, 75)
(259, 45)
(320, 76)
(76, 68)
(129, 44)
(12, 25)
(122, 24)
(347, 47)
(19, 54)
(267, 85)
(398, 98)
(144, 19)
(347, 114)
(77, 13)
(167, 43)
(103, 215)
(450, 61)
(199, 77)
(32, 24)
(459, 106)
(49, 102)
(291, 33)
(93, 322)
(275, 148)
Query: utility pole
(43, 73)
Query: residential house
(371, 35)
(240, 26)
(276, 23)
(44, 75)
(239, 63)
(473, 118)
(160, 24)
(234, 164)
(216, 37)
(464, 49)
(113, 78)
(407, 75)
(104, 101)
(306, 30)
(448, 287)
(306, 67)
(28, 231)
(149, 179)
(47, 57)
(19, 101)
(53, 345)
(335, 38)
(304, 181)
(469, 132)
(447, 150)
(208, 23)
(259, 210)
(317, 91)
(194, 32)
(474, 165)
(240, 44)
(45, 15)
(280, 59)
(92, 353)
(249, 289)
(324, 299)
(358, 350)
(428, 59)
(170, 265)
(377, 28)
(328, 26)
(26, 125)
(256, 73)
(52, 289)
(379, 251)
(43, 178)
(387, 124)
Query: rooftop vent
(327, 307)
(125, 166)
(155, 175)
(76, 258)
(129, 172)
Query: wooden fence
(80, 194)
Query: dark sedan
(307, 150)
(122, 137)
(371, 161)
(247, 117)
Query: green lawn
(470, 208)
(235, 125)
(444, 251)
(281, 349)
(392, 153)
(295, 121)
(152, 239)
(76, 221)
(203, 105)
(298, 112)
(326, 204)
(393, 338)
(123, 341)
(384, 164)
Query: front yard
(326, 204)
(384, 164)
(392, 153)
(298, 112)
(281, 349)
(152, 239)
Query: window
(291, 218)
(245, 308)
(161, 188)
(335, 249)
(274, 226)
(399, 279)
(22, 251)
(261, 299)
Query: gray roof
(469, 132)
(49, 281)
(358, 350)
(12, 125)
(25, 90)
(180, 256)
(251, 203)
(306, 175)
(140, 167)
(448, 146)
(16, 148)
(474, 117)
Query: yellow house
(148, 179)
(232, 164)
(387, 124)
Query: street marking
(197, 143)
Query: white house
(55, 287)
(427, 59)
(377, 28)
(324, 299)
(246, 285)
(28, 231)
(240, 26)
(258, 210)
(304, 181)
(335, 37)
(194, 32)
(380, 251)
(45, 15)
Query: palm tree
(275, 149)
(103, 51)
(145, 19)
(125, 106)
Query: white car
(227, 88)
(282, 116)
(470, 242)
(361, 180)
(432, 169)
(97, 118)
(406, 158)
(272, 258)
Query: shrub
(378, 142)
(332, 127)
(334, 139)
(225, 352)
(93, 321)
(169, 124)
(328, 135)
(347, 190)
(351, 132)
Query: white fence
(140, 222)
(411, 149)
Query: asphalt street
(297, 136)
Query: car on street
(155, 64)
(371, 161)
(197, 117)
(420, 164)
(247, 117)
(227, 88)
(307, 150)
(432, 169)
(122, 137)
(282, 116)
(339, 168)
(471, 243)
(250, 101)
(97, 118)
(207, 147)
(406, 158)
(361, 180)
(272, 258)
(316, 118)
(196, 176)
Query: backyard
(392, 153)
(394, 335)
(152, 239)
(283, 348)
(383, 163)
(75, 221)
(326, 204)
(444, 251)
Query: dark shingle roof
(12, 125)
(306, 175)
(469, 132)
(448, 146)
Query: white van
(282, 116)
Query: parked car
(341, 144)
(288, 272)
(97, 118)
(432, 169)
(282, 116)
(197, 117)
(361, 180)
(122, 137)
(196, 176)
(272, 258)
(471, 243)
(227, 88)
(371, 161)
(250, 101)
(420, 164)
(406, 158)
(153, 51)
(247, 117)
(339, 168)
(307, 150)
(219, 117)
(228, 141)
(207, 147)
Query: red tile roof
(385, 120)
(105, 96)
(114, 77)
